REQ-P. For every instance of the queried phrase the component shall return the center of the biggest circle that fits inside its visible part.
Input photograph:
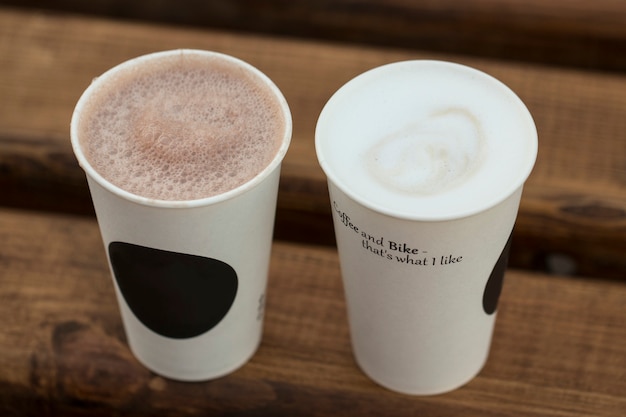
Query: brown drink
(181, 127)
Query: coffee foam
(426, 139)
(181, 127)
(429, 155)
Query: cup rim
(139, 199)
(515, 184)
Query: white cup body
(236, 231)
(422, 270)
(203, 264)
(415, 292)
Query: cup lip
(253, 182)
(512, 187)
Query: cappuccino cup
(426, 162)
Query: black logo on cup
(174, 294)
(494, 284)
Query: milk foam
(182, 127)
(429, 155)
(426, 139)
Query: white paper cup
(426, 162)
(190, 276)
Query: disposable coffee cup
(426, 162)
(190, 274)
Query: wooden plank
(559, 347)
(564, 32)
(574, 204)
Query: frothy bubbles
(182, 128)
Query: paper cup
(426, 162)
(190, 276)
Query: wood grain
(574, 204)
(563, 32)
(559, 347)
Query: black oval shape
(174, 294)
(493, 288)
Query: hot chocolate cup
(190, 275)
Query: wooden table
(560, 343)
(559, 347)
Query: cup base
(196, 375)
(421, 388)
